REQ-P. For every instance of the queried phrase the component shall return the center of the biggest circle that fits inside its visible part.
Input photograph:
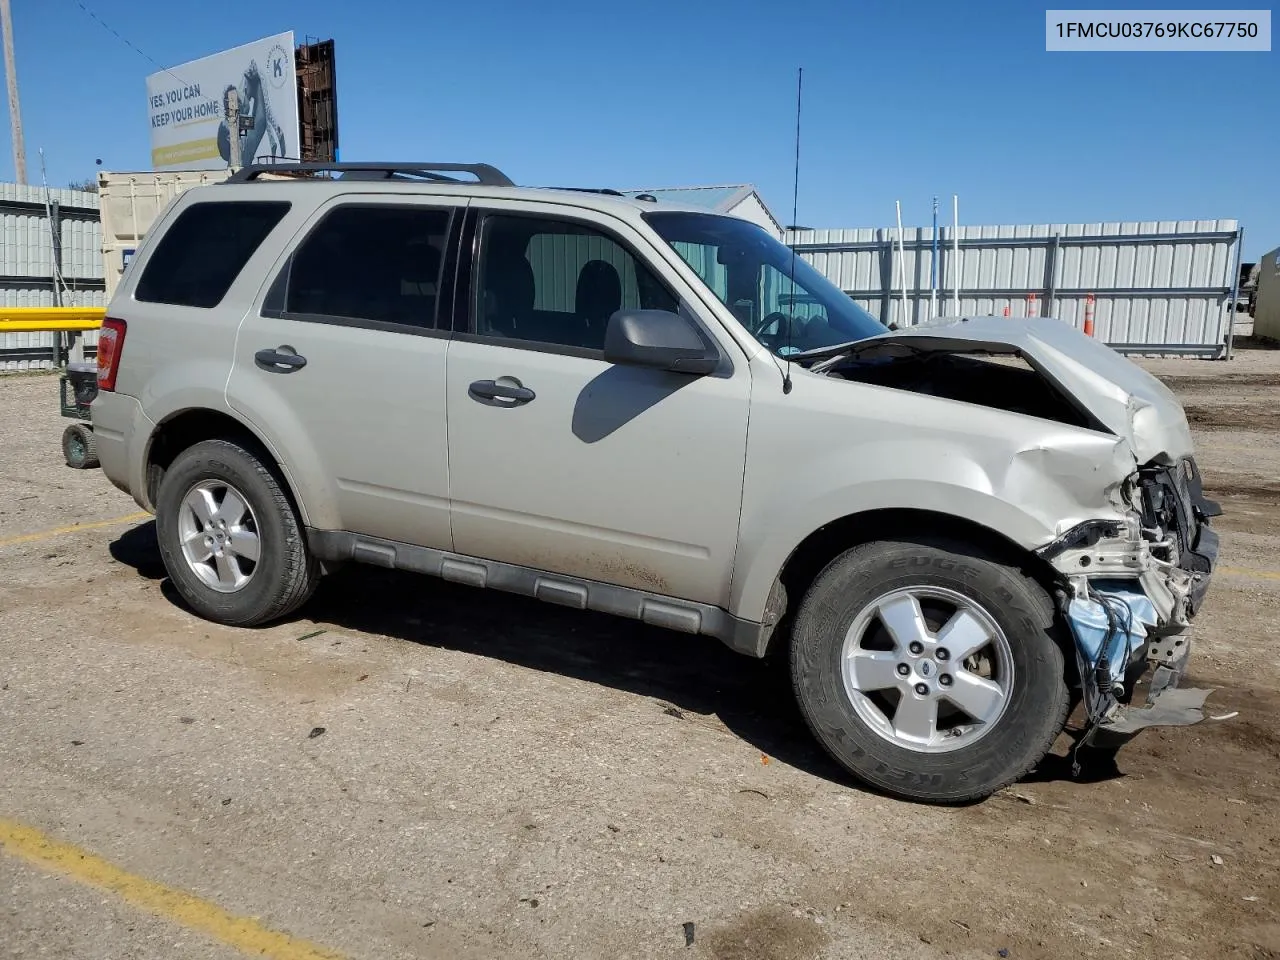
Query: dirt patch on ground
(1233, 416)
(770, 934)
(1249, 504)
(1252, 736)
(1192, 382)
(1250, 488)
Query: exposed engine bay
(1014, 387)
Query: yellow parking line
(1247, 572)
(72, 528)
(242, 933)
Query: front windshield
(750, 271)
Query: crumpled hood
(1117, 392)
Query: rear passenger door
(341, 364)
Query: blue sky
(902, 101)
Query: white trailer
(131, 202)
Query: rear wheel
(79, 448)
(230, 538)
(929, 670)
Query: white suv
(622, 405)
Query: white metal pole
(902, 259)
(933, 265)
(955, 251)
(15, 113)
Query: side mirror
(657, 338)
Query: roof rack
(483, 172)
(608, 191)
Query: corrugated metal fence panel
(557, 260)
(1156, 283)
(26, 265)
(81, 249)
(860, 270)
(703, 262)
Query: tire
(79, 448)
(192, 502)
(851, 698)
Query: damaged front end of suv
(1131, 590)
(1133, 566)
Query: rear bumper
(122, 432)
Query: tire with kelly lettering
(929, 669)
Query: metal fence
(39, 230)
(1160, 287)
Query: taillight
(110, 343)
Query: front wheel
(929, 670)
(229, 536)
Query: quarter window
(203, 252)
(558, 282)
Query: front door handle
(506, 392)
(283, 359)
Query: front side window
(751, 273)
(375, 263)
(558, 282)
(203, 252)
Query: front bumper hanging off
(1120, 634)
(1112, 627)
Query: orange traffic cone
(1088, 315)
(1031, 305)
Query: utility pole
(233, 122)
(15, 113)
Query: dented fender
(1028, 480)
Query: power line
(127, 42)
(140, 52)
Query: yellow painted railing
(40, 319)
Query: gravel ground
(501, 777)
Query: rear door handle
(283, 359)
(509, 394)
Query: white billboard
(187, 112)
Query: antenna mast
(795, 213)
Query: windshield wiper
(877, 345)
(822, 353)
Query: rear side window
(367, 265)
(200, 256)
